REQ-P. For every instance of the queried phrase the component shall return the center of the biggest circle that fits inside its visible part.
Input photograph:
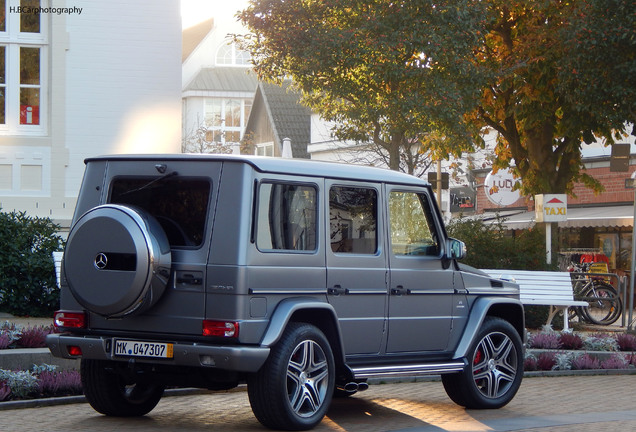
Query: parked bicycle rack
(621, 283)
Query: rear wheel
(494, 371)
(111, 394)
(293, 389)
(605, 305)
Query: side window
(286, 217)
(353, 220)
(412, 227)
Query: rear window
(179, 204)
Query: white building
(218, 86)
(80, 79)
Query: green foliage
(600, 343)
(41, 381)
(547, 75)
(492, 246)
(535, 52)
(600, 74)
(21, 383)
(367, 67)
(28, 284)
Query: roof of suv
(281, 166)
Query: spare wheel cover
(117, 260)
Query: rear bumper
(237, 358)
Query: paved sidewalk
(557, 404)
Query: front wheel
(494, 371)
(110, 394)
(293, 389)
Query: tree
(546, 75)
(201, 140)
(27, 271)
(387, 72)
(492, 245)
(554, 85)
(412, 159)
(601, 74)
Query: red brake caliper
(479, 355)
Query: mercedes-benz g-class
(302, 279)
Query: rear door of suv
(356, 263)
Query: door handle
(337, 290)
(399, 290)
(189, 278)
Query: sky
(195, 11)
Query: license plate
(142, 349)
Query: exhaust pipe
(352, 387)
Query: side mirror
(456, 249)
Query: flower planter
(25, 358)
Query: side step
(406, 370)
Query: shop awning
(610, 216)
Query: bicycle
(604, 303)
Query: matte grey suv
(302, 279)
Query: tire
(494, 371)
(578, 311)
(294, 388)
(110, 394)
(605, 305)
(117, 260)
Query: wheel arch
(311, 311)
(508, 309)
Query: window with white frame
(225, 118)
(23, 73)
(264, 149)
(230, 55)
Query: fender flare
(478, 314)
(287, 308)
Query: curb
(68, 400)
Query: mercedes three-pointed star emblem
(101, 261)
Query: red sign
(29, 114)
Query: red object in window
(29, 114)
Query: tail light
(228, 329)
(75, 351)
(70, 319)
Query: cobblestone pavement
(556, 404)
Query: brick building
(597, 223)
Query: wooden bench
(545, 288)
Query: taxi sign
(551, 207)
